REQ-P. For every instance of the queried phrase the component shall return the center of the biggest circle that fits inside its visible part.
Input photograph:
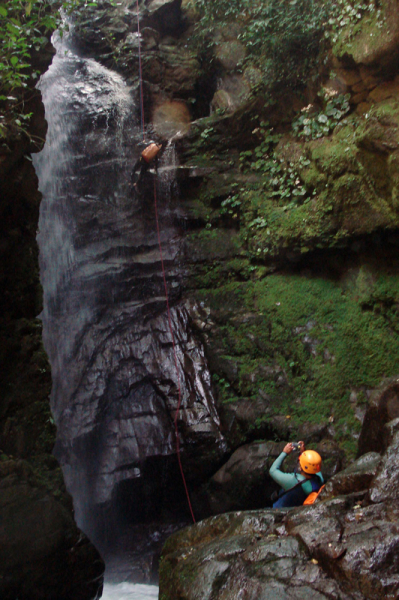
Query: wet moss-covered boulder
(374, 41)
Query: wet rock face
(385, 486)
(358, 547)
(123, 410)
(243, 553)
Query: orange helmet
(310, 462)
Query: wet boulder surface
(355, 478)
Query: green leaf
(3, 11)
(14, 61)
(12, 28)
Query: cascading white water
(129, 591)
(84, 168)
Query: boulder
(43, 555)
(375, 43)
(354, 478)
(233, 93)
(171, 71)
(357, 546)
(388, 89)
(385, 485)
(164, 16)
(242, 555)
(230, 54)
(383, 407)
(336, 549)
(243, 482)
(246, 419)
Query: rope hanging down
(164, 281)
(174, 354)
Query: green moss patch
(307, 342)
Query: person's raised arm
(286, 480)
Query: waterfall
(105, 328)
(128, 591)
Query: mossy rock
(374, 40)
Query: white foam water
(129, 591)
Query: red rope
(164, 280)
(174, 353)
(140, 74)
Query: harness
(296, 495)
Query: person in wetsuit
(147, 158)
(293, 492)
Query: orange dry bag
(312, 496)
(150, 152)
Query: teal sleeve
(286, 480)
